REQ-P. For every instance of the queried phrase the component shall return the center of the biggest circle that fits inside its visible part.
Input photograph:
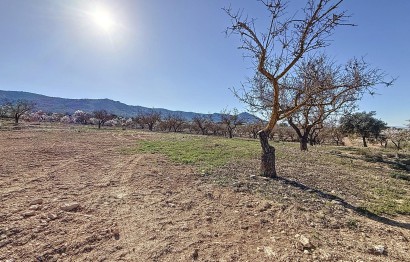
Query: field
(70, 193)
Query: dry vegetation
(146, 196)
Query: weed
(352, 224)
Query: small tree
(102, 116)
(215, 128)
(230, 120)
(173, 122)
(66, 119)
(149, 118)
(253, 128)
(398, 136)
(332, 131)
(3, 110)
(16, 109)
(363, 124)
(81, 117)
(202, 123)
(139, 120)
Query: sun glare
(103, 19)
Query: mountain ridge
(70, 105)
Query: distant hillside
(69, 106)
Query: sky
(174, 54)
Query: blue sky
(174, 53)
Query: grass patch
(389, 200)
(380, 192)
(204, 152)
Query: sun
(103, 19)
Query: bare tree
(398, 136)
(15, 109)
(149, 118)
(215, 128)
(139, 120)
(173, 122)
(277, 52)
(230, 120)
(253, 128)
(202, 123)
(283, 132)
(342, 87)
(102, 116)
(332, 130)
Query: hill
(69, 106)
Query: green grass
(389, 200)
(204, 152)
(381, 192)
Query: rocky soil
(73, 195)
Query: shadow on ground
(401, 163)
(359, 210)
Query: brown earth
(142, 207)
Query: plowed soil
(143, 207)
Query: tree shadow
(358, 210)
(399, 164)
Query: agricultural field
(73, 193)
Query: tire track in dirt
(143, 207)
(125, 171)
(125, 208)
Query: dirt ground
(142, 207)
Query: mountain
(69, 106)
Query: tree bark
(303, 138)
(230, 133)
(364, 141)
(268, 167)
(304, 143)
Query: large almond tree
(276, 52)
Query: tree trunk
(16, 118)
(99, 124)
(364, 141)
(303, 138)
(268, 168)
(304, 143)
(255, 134)
(230, 133)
